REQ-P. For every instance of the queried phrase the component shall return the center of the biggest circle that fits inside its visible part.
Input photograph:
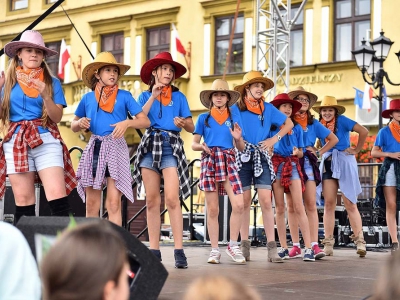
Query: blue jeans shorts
(390, 177)
(295, 173)
(49, 154)
(168, 160)
(308, 169)
(247, 177)
(96, 151)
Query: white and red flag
(178, 43)
(368, 95)
(64, 57)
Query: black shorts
(96, 151)
(327, 170)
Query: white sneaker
(215, 257)
(235, 253)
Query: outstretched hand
(236, 132)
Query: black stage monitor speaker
(150, 274)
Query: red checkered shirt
(28, 136)
(216, 167)
(286, 173)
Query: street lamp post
(370, 62)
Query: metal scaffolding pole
(273, 24)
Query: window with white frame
(223, 29)
(352, 21)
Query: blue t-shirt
(343, 128)
(314, 131)
(216, 135)
(386, 141)
(284, 147)
(253, 130)
(23, 107)
(164, 119)
(101, 120)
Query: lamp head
(363, 55)
(382, 46)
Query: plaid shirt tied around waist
(156, 149)
(28, 136)
(245, 156)
(217, 167)
(287, 169)
(113, 154)
(314, 164)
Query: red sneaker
(295, 252)
(318, 253)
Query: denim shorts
(308, 169)
(295, 173)
(247, 177)
(49, 154)
(96, 151)
(168, 160)
(390, 177)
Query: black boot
(20, 211)
(60, 207)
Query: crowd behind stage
(245, 142)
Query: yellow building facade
(203, 27)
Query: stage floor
(343, 276)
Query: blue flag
(384, 99)
(358, 99)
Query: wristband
(317, 152)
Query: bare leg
(151, 181)
(244, 228)
(280, 212)
(297, 199)
(390, 197)
(310, 203)
(93, 199)
(113, 202)
(212, 217)
(237, 211)
(171, 192)
(264, 197)
(23, 188)
(330, 188)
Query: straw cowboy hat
(394, 105)
(284, 98)
(253, 77)
(218, 85)
(329, 101)
(158, 60)
(102, 59)
(29, 39)
(301, 91)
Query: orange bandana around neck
(330, 125)
(301, 119)
(108, 96)
(255, 106)
(24, 78)
(220, 115)
(395, 130)
(166, 95)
